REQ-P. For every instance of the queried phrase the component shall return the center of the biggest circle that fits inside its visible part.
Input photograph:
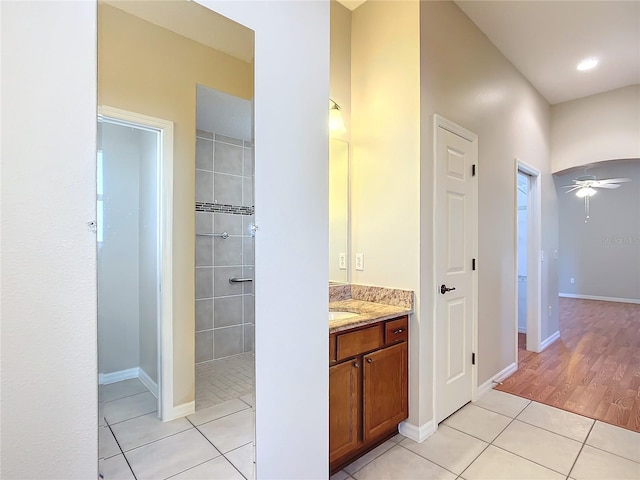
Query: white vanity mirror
(338, 211)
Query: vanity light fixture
(587, 64)
(336, 122)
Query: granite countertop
(367, 313)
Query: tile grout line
(123, 455)
(442, 466)
(581, 448)
(219, 451)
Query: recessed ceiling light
(587, 64)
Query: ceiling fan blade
(574, 188)
(607, 185)
(612, 180)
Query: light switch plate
(359, 261)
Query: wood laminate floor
(593, 369)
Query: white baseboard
(488, 385)
(522, 329)
(113, 377)
(148, 382)
(418, 434)
(552, 338)
(179, 411)
(596, 297)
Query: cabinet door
(344, 408)
(386, 393)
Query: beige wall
(340, 64)
(466, 79)
(600, 127)
(385, 195)
(150, 70)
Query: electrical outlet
(572, 280)
(359, 261)
(342, 261)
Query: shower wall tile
(204, 251)
(247, 272)
(247, 221)
(204, 314)
(248, 338)
(204, 222)
(228, 189)
(204, 154)
(247, 191)
(204, 346)
(204, 134)
(247, 251)
(223, 222)
(247, 169)
(227, 311)
(231, 140)
(204, 282)
(222, 287)
(249, 308)
(204, 186)
(228, 158)
(228, 341)
(228, 252)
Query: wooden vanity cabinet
(368, 388)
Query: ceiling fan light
(585, 192)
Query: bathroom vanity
(368, 376)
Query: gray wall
(224, 203)
(602, 255)
(118, 306)
(127, 295)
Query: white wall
(467, 80)
(49, 398)
(600, 127)
(602, 255)
(291, 192)
(118, 260)
(49, 345)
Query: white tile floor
(507, 437)
(499, 437)
(216, 442)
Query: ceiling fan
(585, 187)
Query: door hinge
(473, 264)
(473, 359)
(473, 170)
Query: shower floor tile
(221, 380)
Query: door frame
(441, 122)
(164, 202)
(534, 252)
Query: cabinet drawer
(396, 331)
(332, 349)
(361, 341)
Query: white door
(456, 200)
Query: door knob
(444, 289)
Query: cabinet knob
(369, 360)
(355, 364)
(400, 330)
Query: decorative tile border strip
(222, 208)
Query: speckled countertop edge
(367, 313)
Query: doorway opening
(528, 257)
(134, 185)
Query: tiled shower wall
(224, 203)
